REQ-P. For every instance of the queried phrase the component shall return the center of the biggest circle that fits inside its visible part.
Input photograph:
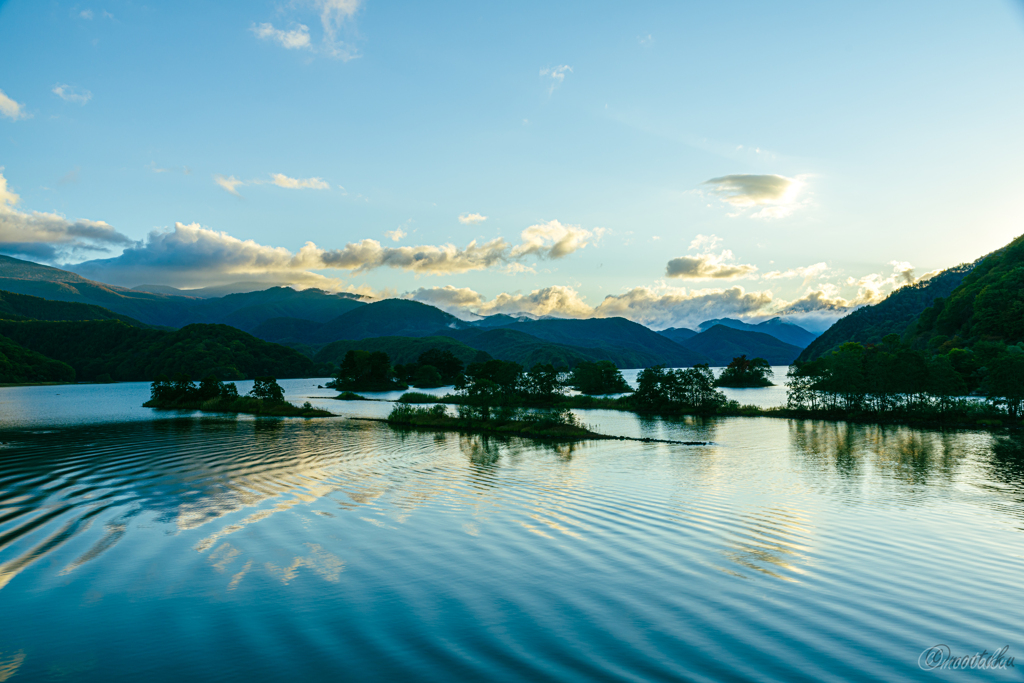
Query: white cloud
(774, 195)
(86, 14)
(395, 235)
(334, 17)
(812, 271)
(229, 183)
(282, 180)
(193, 256)
(10, 108)
(707, 265)
(554, 240)
(70, 93)
(50, 236)
(557, 301)
(557, 74)
(678, 307)
(446, 259)
(296, 39)
(471, 218)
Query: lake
(155, 546)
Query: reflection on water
(276, 549)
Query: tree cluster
(597, 378)
(891, 379)
(182, 390)
(434, 368)
(366, 371)
(744, 372)
(684, 390)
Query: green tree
(267, 389)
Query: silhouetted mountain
(388, 318)
(892, 315)
(677, 334)
(24, 306)
(776, 327)
(249, 310)
(527, 350)
(498, 320)
(214, 291)
(110, 347)
(286, 330)
(721, 344)
(613, 334)
(244, 311)
(25, 277)
(401, 350)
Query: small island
(214, 396)
(744, 373)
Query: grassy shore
(242, 404)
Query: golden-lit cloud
(774, 196)
(472, 218)
(707, 265)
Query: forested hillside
(100, 349)
(870, 324)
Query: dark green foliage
(24, 307)
(266, 398)
(19, 365)
(601, 377)
(553, 424)
(366, 371)
(417, 397)
(267, 389)
(743, 372)
(888, 381)
(721, 344)
(690, 390)
(987, 306)
(125, 353)
(899, 310)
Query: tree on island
(365, 371)
(692, 390)
(601, 377)
(741, 372)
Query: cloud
(296, 39)
(554, 240)
(334, 16)
(50, 236)
(456, 300)
(395, 235)
(471, 218)
(70, 93)
(10, 108)
(707, 265)
(445, 259)
(229, 183)
(812, 271)
(86, 14)
(282, 180)
(557, 75)
(558, 300)
(677, 306)
(775, 194)
(193, 256)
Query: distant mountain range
(776, 327)
(322, 325)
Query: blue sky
(850, 149)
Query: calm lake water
(154, 546)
